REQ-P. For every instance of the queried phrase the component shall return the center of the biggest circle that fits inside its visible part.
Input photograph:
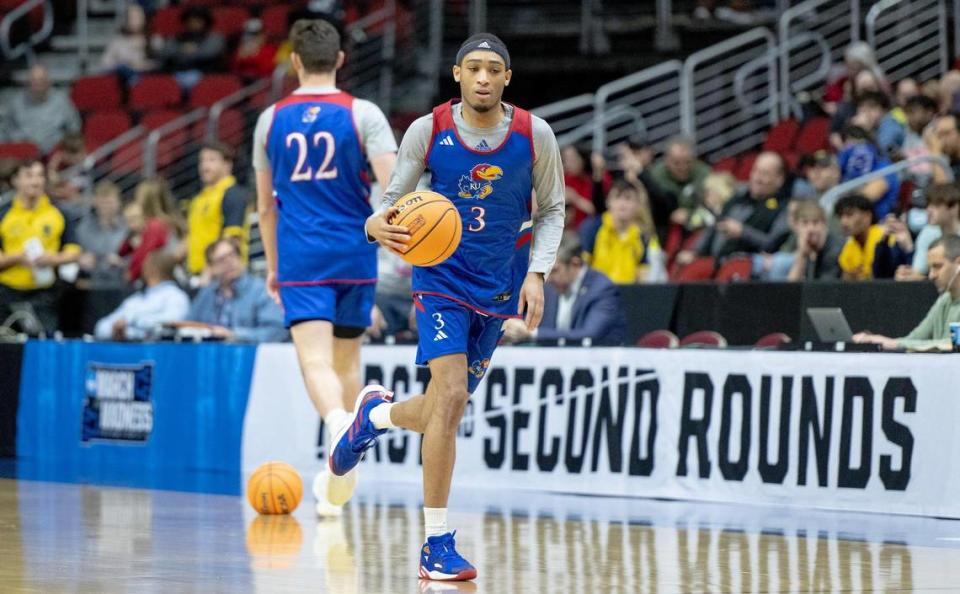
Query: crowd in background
(637, 214)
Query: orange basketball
(434, 225)
(274, 488)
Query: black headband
(486, 44)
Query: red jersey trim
(478, 310)
(339, 98)
(330, 281)
(523, 240)
(443, 120)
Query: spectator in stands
(255, 57)
(818, 249)
(822, 174)
(943, 218)
(755, 220)
(858, 57)
(219, 210)
(8, 168)
(100, 234)
(236, 305)
(633, 160)
(860, 156)
(579, 303)
(894, 251)
(718, 188)
(920, 111)
(622, 242)
(680, 174)
(141, 315)
(906, 89)
(856, 215)
(934, 331)
(35, 238)
(581, 183)
(149, 229)
(67, 158)
(127, 52)
(949, 92)
(870, 114)
(197, 49)
(41, 115)
(943, 140)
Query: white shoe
(334, 490)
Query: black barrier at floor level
(10, 358)
(742, 312)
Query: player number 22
(478, 212)
(301, 173)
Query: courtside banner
(858, 431)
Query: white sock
(335, 420)
(380, 416)
(434, 521)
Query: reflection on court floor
(76, 538)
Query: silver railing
(644, 103)
(568, 114)
(102, 162)
(831, 196)
(834, 23)
(712, 113)
(178, 147)
(909, 37)
(26, 46)
(371, 44)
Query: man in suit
(579, 303)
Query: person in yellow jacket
(35, 239)
(219, 210)
(622, 242)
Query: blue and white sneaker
(358, 434)
(439, 560)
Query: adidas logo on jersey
(484, 45)
(441, 335)
(483, 146)
(447, 141)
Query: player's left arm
(548, 227)
(378, 140)
(266, 204)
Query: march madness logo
(478, 184)
(117, 405)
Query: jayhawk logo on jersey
(478, 183)
(310, 114)
(479, 367)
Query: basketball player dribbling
(310, 153)
(487, 157)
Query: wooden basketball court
(79, 538)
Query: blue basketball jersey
(492, 191)
(322, 191)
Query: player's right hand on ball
(392, 236)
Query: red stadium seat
(813, 136)
(96, 92)
(229, 20)
(772, 341)
(659, 339)
(274, 19)
(166, 21)
(99, 127)
(745, 165)
(231, 129)
(704, 338)
(154, 91)
(781, 137)
(792, 159)
(154, 119)
(735, 269)
(19, 150)
(727, 164)
(212, 88)
(129, 158)
(700, 269)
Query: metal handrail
(12, 53)
(877, 9)
(830, 197)
(783, 34)
(687, 100)
(618, 113)
(557, 107)
(621, 84)
(217, 109)
(107, 148)
(153, 139)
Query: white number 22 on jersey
(303, 172)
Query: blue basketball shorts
(345, 305)
(449, 328)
